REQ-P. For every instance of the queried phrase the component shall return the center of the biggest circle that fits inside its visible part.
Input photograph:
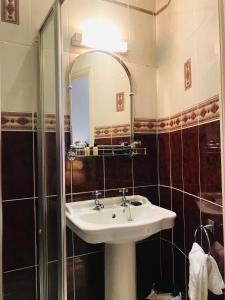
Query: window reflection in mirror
(101, 110)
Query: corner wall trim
(140, 9)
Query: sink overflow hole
(114, 216)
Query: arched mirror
(101, 100)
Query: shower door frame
(221, 12)
(54, 12)
(1, 213)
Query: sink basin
(112, 225)
(119, 228)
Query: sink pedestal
(120, 271)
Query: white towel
(215, 280)
(203, 275)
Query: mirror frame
(131, 94)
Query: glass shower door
(51, 161)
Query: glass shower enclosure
(51, 162)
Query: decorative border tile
(140, 9)
(121, 130)
(145, 125)
(19, 121)
(67, 123)
(204, 112)
(10, 11)
(50, 123)
(112, 131)
(103, 132)
(16, 121)
(162, 8)
(137, 8)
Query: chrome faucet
(125, 201)
(98, 205)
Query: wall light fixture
(99, 34)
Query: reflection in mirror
(101, 106)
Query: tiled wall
(189, 138)
(186, 30)
(20, 258)
(190, 185)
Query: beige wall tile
(21, 33)
(145, 97)
(18, 75)
(187, 29)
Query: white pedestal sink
(113, 226)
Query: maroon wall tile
(70, 279)
(119, 140)
(82, 196)
(217, 251)
(87, 174)
(148, 141)
(181, 272)
(52, 231)
(201, 150)
(67, 140)
(68, 165)
(167, 261)
(192, 219)
(164, 158)
(116, 193)
(89, 274)
(118, 172)
(191, 160)
(210, 157)
(147, 264)
(50, 161)
(68, 176)
(103, 141)
(81, 247)
(150, 192)
(52, 281)
(36, 179)
(145, 166)
(165, 201)
(50, 154)
(52, 228)
(176, 159)
(215, 213)
(69, 242)
(178, 208)
(20, 285)
(18, 234)
(17, 165)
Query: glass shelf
(73, 154)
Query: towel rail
(204, 229)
